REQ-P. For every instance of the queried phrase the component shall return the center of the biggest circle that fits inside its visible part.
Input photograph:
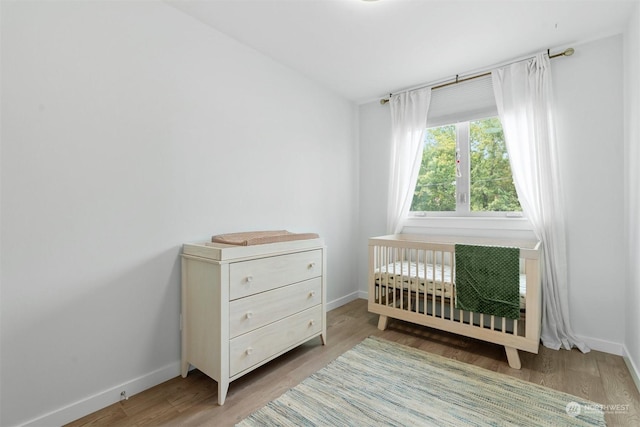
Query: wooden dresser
(242, 306)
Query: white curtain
(408, 126)
(524, 98)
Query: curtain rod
(567, 52)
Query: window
(465, 166)
(465, 170)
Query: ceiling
(363, 50)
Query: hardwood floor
(191, 401)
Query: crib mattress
(434, 279)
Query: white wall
(632, 178)
(588, 92)
(588, 89)
(375, 132)
(128, 129)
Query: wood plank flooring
(192, 401)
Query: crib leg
(512, 357)
(383, 321)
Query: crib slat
(399, 258)
(425, 297)
(411, 280)
(434, 284)
(452, 301)
(399, 282)
(414, 297)
(378, 266)
(417, 296)
(383, 284)
(385, 280)
(389, 262)
(385, 256)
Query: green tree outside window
(491, 184)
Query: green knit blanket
(487, 280)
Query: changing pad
(249, 238)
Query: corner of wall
(632, 191)
(633, 369)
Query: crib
(412, 278)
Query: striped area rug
(380, 383)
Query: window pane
(436, 187)
(492, 188)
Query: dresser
(243, 306)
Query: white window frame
(498, 227)
(464, 103)
(463, 221)
(463, 184)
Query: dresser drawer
(247, 314)
(254, 347)
(259, 275)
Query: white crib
(412, 278)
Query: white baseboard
(105, 398)
(342, 300)
(602, 345)
(633, 368)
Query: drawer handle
(311, 265)
(312, 322)
(249, 279)
(249, 351)
(312, 294)
(249, 314)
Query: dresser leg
(323, 338)
(184, 368)
(223, 387)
